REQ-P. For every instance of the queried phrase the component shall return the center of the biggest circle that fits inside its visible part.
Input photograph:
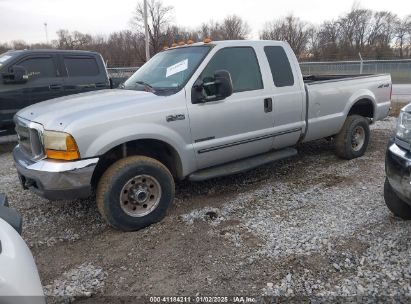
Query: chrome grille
(29, 138)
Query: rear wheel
(135, 192)
(396, 204)
(352, 141)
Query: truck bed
(330, 97)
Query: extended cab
(31, 76)
(196, 111)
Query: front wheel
(352, 141)
(135, 192)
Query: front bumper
(398, 170)
(55, 180)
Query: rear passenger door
(288, 97)
(82, 74)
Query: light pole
(47, 34)
(147, 38)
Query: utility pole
(47, 34)
(146, 30)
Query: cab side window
(39, 67)
(81, 66)
(242, 64)
(280, 66)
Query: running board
(242, 165)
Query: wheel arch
(157, 149)
(363, 103)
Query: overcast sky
(24, 19)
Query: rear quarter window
(81, 66)
(280, 66)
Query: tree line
(373, 34)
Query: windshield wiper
(145, 84)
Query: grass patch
(396, 107)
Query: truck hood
(58, 113)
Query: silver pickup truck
(196, 111)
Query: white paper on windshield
(177, 68)
(4, 58)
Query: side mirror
(224, 84)
(220, 88)
(18, 74)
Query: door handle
(268, 105)
(55, 87)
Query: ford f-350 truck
(196, 111)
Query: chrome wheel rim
(358, 138)
(140, 195)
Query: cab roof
(54, 51)
(233, 43)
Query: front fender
(109, 139)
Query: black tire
(396, 204)
(345, 146)
(110, 189)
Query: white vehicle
(19, 278)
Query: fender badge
(171, 118)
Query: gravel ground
(313, 226)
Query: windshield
(168, 70)
(4, 58)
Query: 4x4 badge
(170, 118)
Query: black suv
(31, 76)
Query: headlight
(60, 145)
(404, 127)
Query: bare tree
(64, 39)
(234, 28)
(313, 42)
(291, 29)
(159, 18)
(375, 34)
(124, 48)
(4, 47)
(328, 41)
(402, 34)
(360, 21)
(361, 30)
(353, 29)
(176, 34)
(72, 41)
(41, 45)
(19, 45)
(211, 30)
(408, 47)
(81, 40)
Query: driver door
(240, 125)
(42, 74)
